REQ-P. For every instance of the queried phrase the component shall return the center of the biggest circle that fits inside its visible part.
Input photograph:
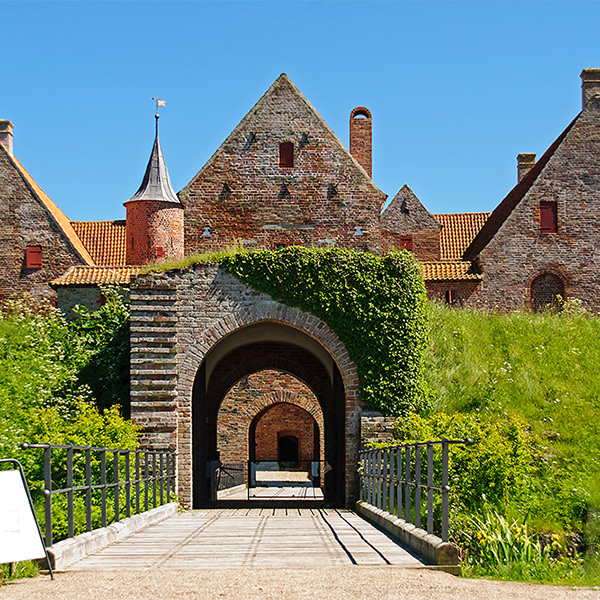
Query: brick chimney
(590, 84)
(361, 137)
(6, 136)
(525, 162)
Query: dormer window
(548, 217)
(286, 154)
(33, 257)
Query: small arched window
(286, 154)
(545, 289)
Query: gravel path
(360, 583)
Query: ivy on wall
(375, 305)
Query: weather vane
(159, 103)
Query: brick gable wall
(519, 252)
(243, 194)
(25, 222)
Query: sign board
(19, 533)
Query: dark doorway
(287, 449)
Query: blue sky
(457, 89)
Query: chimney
(590, 84)
(6, 135)
(361, 138)
(525, 162)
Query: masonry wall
(25, 222)
(465, 293)
(519, 251)
(177, 318)
(153, 231)
(243, 194)
(257, 393)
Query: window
(548, 217)
(406, 242)
(286, 154)
(160, 252)
(280, 245)
(450, 296)
(544, 291)
(33, 257)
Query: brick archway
(183, 319)
(250, 397)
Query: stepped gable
(104, 240)
(282, 176)
(458, 231)
(514, 197)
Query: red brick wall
(361, 137)
(254, 394)
(152, 225)
(465, 292)
(282, 420)
(425, 244)
(519, 251)
(243, 194)
(25, 222)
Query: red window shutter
(160, 252)
(33, 257)
(406, 242)
(286, 154)
(548, 217)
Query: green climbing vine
(375, 305)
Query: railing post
(392, 483)
(372, 477)
(48, 494)
(161, 478)
(146, 469)
(70, 507)
(154, 479)
(116, 486)
(384, 481)
(445, 490)
(407, 483)
(417, 485)
(137, 482)
(399, 480)
(103, 484)
(429, 487)
(88, 489)
(127, 484)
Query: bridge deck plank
(213, 538)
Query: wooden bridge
(252, 537)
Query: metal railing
(136, 487)
(230, 475)
(395, 479)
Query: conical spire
(156, 184)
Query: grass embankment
(535, 379)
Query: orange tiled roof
(105, 241)
(458, 231)
(59, 217)
(96, 276)
(451, 270)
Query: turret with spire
(154, 229)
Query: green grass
(543, 370)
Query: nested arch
(300, 344)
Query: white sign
(19, 534)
